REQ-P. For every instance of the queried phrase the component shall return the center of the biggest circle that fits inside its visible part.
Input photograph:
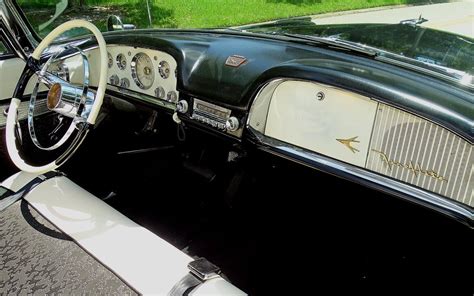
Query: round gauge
(164, 69)
(125, 83)
(121, 61)
(142, 71)
(160, 92)
(172, 97)
(110, 60)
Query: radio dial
(232, 124)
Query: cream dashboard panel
(323, 119)
(123, 70)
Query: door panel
(10, 71)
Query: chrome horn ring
(63, 98)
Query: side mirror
(114, 23)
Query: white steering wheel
(76, 102)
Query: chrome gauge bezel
(164, 69)
(172, 97)
(160, 93)
(125, 83)
(121, 61)
(133, 66)
(110, 60)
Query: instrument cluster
(144, 71)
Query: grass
(208, 13)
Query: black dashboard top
(202, 72)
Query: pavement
(456, 17)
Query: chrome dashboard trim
(402, 190)
(143, 97)
(22, 110)
(266, 91)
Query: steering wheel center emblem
(54, 96)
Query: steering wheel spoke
(49, 79)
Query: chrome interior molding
(259, 110)
(15, 17)
(40, 108)
(143, 97)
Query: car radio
(210, 114)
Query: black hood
(408, 40)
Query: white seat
(143, 260)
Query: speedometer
(142, 71)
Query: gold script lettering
(414, 168)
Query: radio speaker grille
(416, 151)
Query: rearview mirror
(114, 23)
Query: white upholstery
(146, 262)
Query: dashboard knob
(124, 82)
(114, 80)
(232, 124)
(182, 106)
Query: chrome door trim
(16, 18)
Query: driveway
(456, 17)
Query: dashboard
(151, 76)
(373, 123)
(143, 71)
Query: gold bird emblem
(348, 143)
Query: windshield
(421, 34)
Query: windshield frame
(22, 20)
